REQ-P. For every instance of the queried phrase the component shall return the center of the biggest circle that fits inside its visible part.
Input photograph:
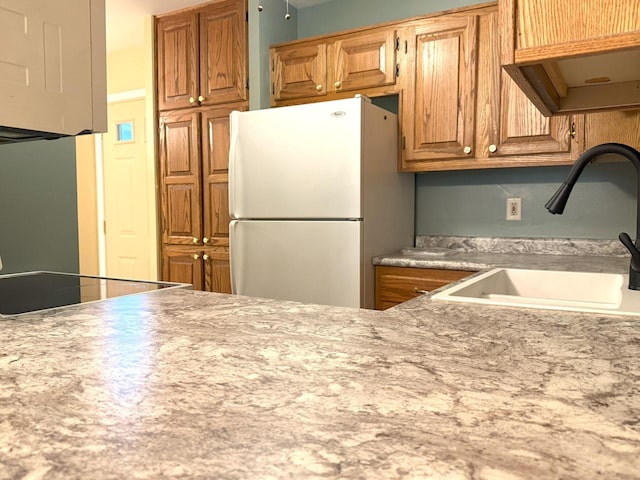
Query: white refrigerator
(314, 193)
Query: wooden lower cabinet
(205, 268)
(395, 285)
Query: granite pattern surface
(477, 253)
(182, 384)
(185, 384)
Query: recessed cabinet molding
(573, 56)
(52, 68)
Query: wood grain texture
(438, 117)
(217, 272)
(181, 197)
(298, 71)
(395, 285)
(362, 60)
(541, 23)
(223, 52)
(215, 173)
(177, 60)
(179, 265)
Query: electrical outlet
(514, 209)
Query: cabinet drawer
(395, 285)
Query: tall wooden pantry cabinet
(202, 58)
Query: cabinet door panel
(620, 127)
(215, 173)
(524, 130)
(362, 61)
(439, 109)
(217, 272)
(223, 53)
(180, 174)
(298, 71)
(177, 45)
(183, 265)
(395, 285)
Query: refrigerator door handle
(234, 259)
(233, 164)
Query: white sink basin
(550, 289)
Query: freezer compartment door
(306, 261)
(292, 162)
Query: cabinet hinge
(246, 16)
(397, 70)
(104, 227)
(247, 85)
(404, 142)
(273, 89)
(406, 46)
(398, 44)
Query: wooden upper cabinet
(202, 56)
(298, 71)
(491, 122)
(223, 53)
(438, 105)
(325, 67)
(362, 60)
(181, 180)
(573, 56)
(514, 126)
(177, 44)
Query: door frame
(126, 96)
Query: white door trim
(125, 96)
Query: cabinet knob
(338, 84)
(205, 240)
(573, 130)
(493, 148)
(205, 257)
(195, 240)
(201, 98)
(192, 100)
(196, 256)
(467, 150)
(319, 88)
(417, 290)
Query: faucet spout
(558, 201)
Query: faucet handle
(633, 249)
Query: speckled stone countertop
(184, 384)
(477, 253)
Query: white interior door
(128, 217)
(305, 261)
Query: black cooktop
(33, 291)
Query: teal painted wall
(265, 29)
(474, 202)
(345, 14)
(38, 206)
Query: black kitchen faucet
(559, 199)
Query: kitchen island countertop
(185, 384)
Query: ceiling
(125, 18)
